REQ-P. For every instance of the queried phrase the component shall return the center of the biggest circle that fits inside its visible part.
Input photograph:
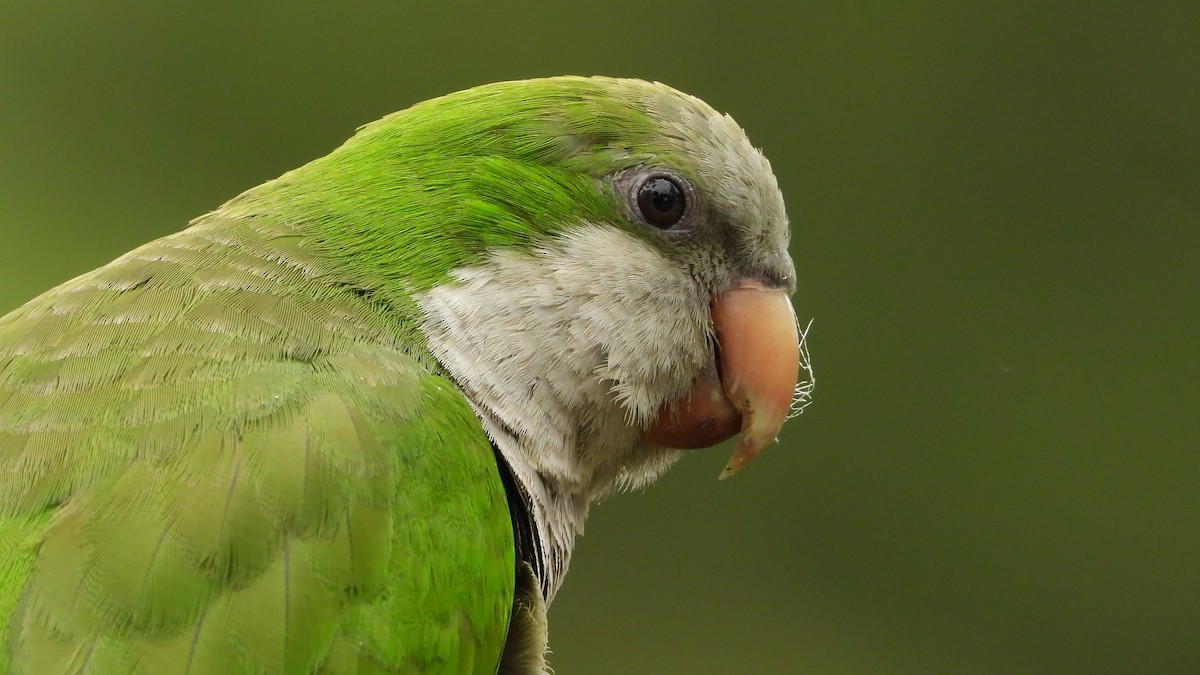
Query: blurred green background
(996, 213)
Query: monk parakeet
(352, 420)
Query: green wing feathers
(214, 460)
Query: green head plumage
(439, 185)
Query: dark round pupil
(661, 202)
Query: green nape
(437, 186)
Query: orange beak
(751, 389)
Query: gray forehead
(734, 176)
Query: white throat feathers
(565, 355)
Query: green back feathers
(215, 461)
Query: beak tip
(743, 454)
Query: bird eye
(661, 201)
